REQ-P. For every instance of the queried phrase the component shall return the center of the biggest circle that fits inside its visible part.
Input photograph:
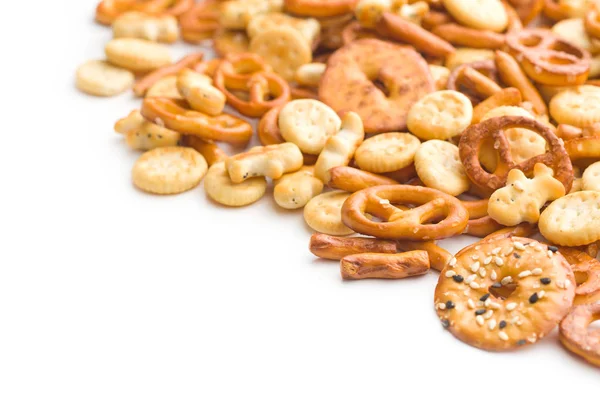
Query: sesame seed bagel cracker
(503, 294)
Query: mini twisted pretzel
(200, 22)
(210, 151)
(493, 129)
(320, 8)
(168, 7)
(208, 67)
(587, 274)
(232, 74)
(436, 215)
(173, 114)
(506, 97)
(435, 18)
(547, 59)
(576, 336)
(141, 86)
(470, 79)
(592, 22)
(108, 10)
(355, 31)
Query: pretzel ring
(401, 78)
(463, 36)
(592, 23)
(587, 274)
(200, 22)
(436, 216)
(493, 129)
(172, 114)
(503, 294)
(320, 8)
(471, 84)
(261, 84)
(577, 337)
(143, 85)
(548, 59)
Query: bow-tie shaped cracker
(522, 198)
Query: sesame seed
(502, 324)
(452, 262)
(488, 314)
(470, 278)
(494, 275)
(450, 305)
(519, 246)
(511, 306)
(480, 320)
(496, 250)
(553, 249)
(532, 339)
(524, 274)
(541, 294)
(496, 285)
(521, 342)
(480, 311)
(487, 260)
(441, 306)
(492, 324)
(502, 335)
(550, 254)
(487, 302)
(567, 283)
(516, 255)
(475, 266)
(493, 305)
(506, 280)
(450, 274)
(537, 271)
(470, 303)
(482, 272)
(546, 281)
(499, 261)
(458, 278)
(533, 298)
(474, 285)
(515, 320)
(485, 297)
(475, 257)
(445, 323)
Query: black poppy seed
(450, 305)
(458, 278)
(502, 324)
(521, 342)
(484, 297)
(553, 249)
(496, 285)
(445, 323)
(534, 298)
(480, 312)
(516, 255)
(546, 281)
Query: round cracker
(137, 54)
(440, 115)
(99, 78)
(480, 14)
(438, 165)
(323, 213)
(578, 106)
(387, 152)
(219, 187)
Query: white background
(110, 293)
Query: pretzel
(403, 175)
(173, 114)
(554, 11)
(431, 205)
(208, 67)
(397, 28)
(320, 8)
(108, 10)
(226, 42)
(346, 86)
(587, 274)
(260, 85)
(514, 21)
(547, 59)
(463, 36)
(169, 7)
(592, 22)
(504, 294)
(210, 151)
(512, 75)
(352, 180)
(482, 226)
(584, 147)
(355, 31)
(527, 9)
(576, 335)
(522, 230)
(384, 266)
(438, 257)
(200, 22)
(475, 135)
(473, 85)
(336, 248)
(505, 97)
(141, 86)
(435, 18)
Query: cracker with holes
(504, 294)
(591, 177)
(573, 219)
(438, 166)
(440, 115)
(387, 152)
(323, 213)
(522, 198)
